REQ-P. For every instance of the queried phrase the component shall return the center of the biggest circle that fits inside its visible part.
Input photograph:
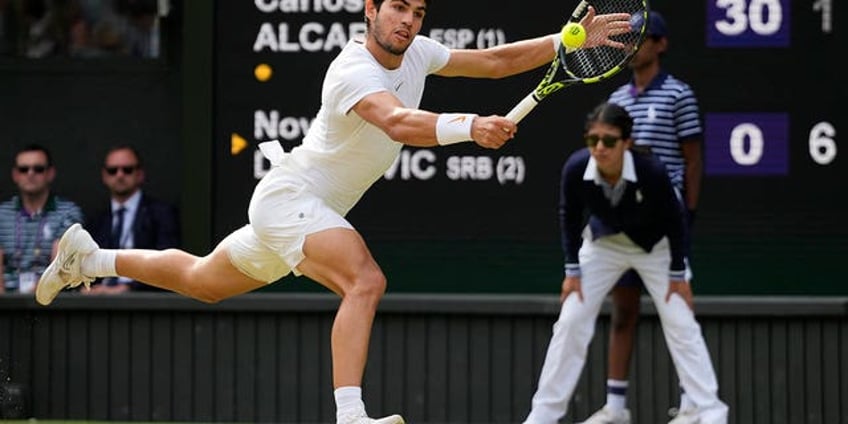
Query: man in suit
(133, 219)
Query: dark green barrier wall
(436, 359)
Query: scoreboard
(464, 219)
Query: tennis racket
(605, 52)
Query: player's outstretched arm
(421, 128)
(524, 55)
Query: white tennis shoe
(64, 271)
(608, 416)
(363, 419)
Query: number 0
(754, 151)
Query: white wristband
(557, 40)
(454, 128)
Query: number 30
(763, 17)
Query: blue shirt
(664, 115)
(27, 240)
(647, 210)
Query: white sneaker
(363, 419)
(64, 271)
(684, 416)
(608, 416)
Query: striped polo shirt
(27, 240)
(663, 115)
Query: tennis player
(369, 111)
(618, 210)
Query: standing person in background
(619, 211)
(667, 121)
(369, 110)
(32, 221)
(134, 219)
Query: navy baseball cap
(656, 24)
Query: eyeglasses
(608, 141)
(37, 169)
(127, 170)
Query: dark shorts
(630, 279)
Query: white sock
(616, 395)
(349, 401)
(100, 263)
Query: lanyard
(19, 241)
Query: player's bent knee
(371, 284)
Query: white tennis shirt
(342, 155)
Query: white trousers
(601, 263)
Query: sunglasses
(608, 141)
(127, 170)
(24, 169)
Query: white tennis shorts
(282, 213)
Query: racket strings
(597, 61)
(589, 63)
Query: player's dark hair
(611, 114)
(377, 4)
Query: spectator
(133, 219)
(667, 122)
(42, 36)
(80, 28)
(619, 211)
(142, 35)
(32, 221)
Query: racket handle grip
(522, 108)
